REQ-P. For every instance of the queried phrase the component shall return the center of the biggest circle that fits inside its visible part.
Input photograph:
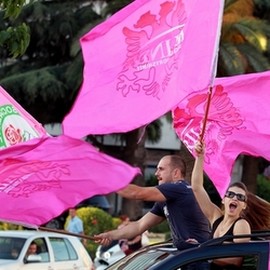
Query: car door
(37, 266)
(64, 254)
(46, 262)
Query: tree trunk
(250, 172)
(135, 154)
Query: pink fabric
(16, 124)
(238, 122)
(142, 61)
(41, 178)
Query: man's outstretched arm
(129, 231)
(135, 192)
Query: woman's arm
(210, 210)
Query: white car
(107, 255)
(54, 251)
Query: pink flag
(142, 61)
(43, 177)
(16, 125)
(238, 122)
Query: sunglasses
(240, 197)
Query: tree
(50, 71)
(243, 40)
(244, 48)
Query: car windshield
(143, 260)
(10, 247)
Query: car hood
(6, 262)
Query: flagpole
(66, 232)
(206, 113)
(214, 71)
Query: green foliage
(154, 131)
(95, 221)
(116, 222)
(257, 61)
(114, 6)
(168, 236)
(151, 181)
(228, 63)
(244, 38)
(50, 70)
(263, 187)
(228, 3)
(34, 83)
(251, 30)
(74, 82)
(16, 37)
(12, 8)
(4, 226)
(262, 3)
(163, 227)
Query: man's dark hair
(179, 163)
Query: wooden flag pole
(206, 113)
(66, 232)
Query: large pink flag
(238, 122)
(41, 178)
(16, 124)
(142, 61)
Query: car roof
(29, 233)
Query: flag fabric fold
(142, 61)
(238, 123)
(16, 124)
(41, 178)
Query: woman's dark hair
(239, 185)
(257, 212)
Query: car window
(11, 247)
(72, 253)
(63, 249)
(41, 250)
